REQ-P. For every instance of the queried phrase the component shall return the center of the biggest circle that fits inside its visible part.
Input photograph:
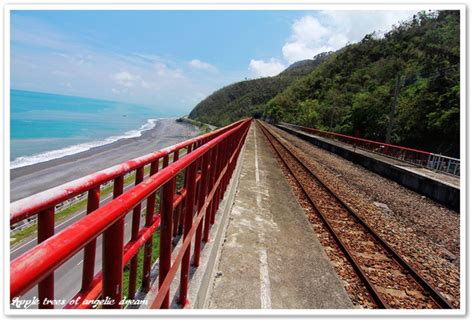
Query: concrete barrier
(440, 192)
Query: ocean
(47, 126)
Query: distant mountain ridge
(248, 97)
(351, 91)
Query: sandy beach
(28, 180)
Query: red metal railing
(414, 156)
(208, 167)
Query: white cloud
(261, 68)
(198, 64)
(124, 78)
(307, 36)
(145, 84)
(332, 30)
(328, 31)
(164, 71)
(61, 73)
(354, 25)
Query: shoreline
(28, 169)
(76, 148)
(31, 179)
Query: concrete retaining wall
(438, 191)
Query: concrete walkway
(271, 257)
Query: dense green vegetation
(203, 127)
(352, 90)
(245, 98)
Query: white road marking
(257, 175)
(265, 300)
(61, 223)
(27, 243)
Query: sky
(172, 59)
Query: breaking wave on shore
(74, 149)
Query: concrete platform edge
(200, 285)
(437, 191)
(200, 278)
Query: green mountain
(352, 91)
(246, 98)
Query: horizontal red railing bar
(27, 207)
(33, 266)
(379, 143)
(90, 294)
(129, 250)
(132, 247)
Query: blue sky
(172, 59)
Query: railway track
(389, 280)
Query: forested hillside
(352, 91)
(245, 98)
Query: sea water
(47, 126)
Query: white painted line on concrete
(257, 175)
(265, 300)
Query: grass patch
(155, 255)
(64, 213)
(203, 127)
(70, 210)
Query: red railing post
(166, 227)
(225, 160)
(93, 201)
(187, 223)
(182, 208)
(210, 184)
(112, 256)
(46, 286)
(148, 252)
(164, 164)
(215, 172)
(132, 284)
(176, 212)
(202, 199)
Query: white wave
(71, 150)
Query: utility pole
(393, 108)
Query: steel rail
(371, 289)
(422, 283)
